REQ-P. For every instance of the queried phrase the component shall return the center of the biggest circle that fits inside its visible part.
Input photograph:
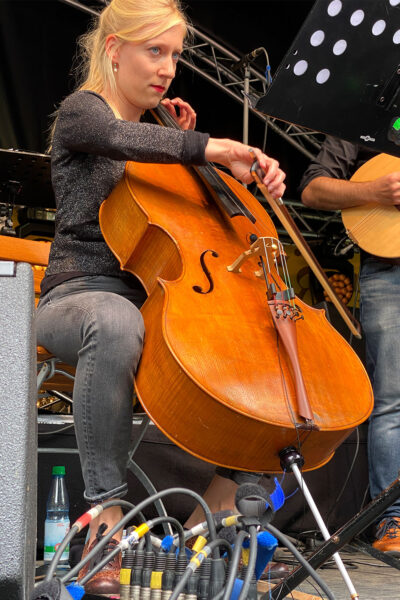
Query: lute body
(375, 227)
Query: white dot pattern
(379, 27)
(323, 76)
(339, 47)
(317, 38)
(300, 67)
(334, 8)
(357, 17)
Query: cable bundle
(218, 568)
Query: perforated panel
(341, 75)
(18, 441)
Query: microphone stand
(246, 89)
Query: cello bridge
(264, 246)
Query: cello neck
(226, 200)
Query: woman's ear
(112, 47)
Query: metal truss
(212, 61)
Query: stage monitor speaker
(18, 432)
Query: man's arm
(326, 193)
(326, 183)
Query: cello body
(214, 376)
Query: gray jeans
(94, 323)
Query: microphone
(252, 500)
(246, 59)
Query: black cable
(233, 565)
(55, 431)
(219, 595)
(220, 542)
(251, 564)
(100, 565)
(178, 526)
(315, 589)
(364, 497)
(109, 556)
(334, 504)
(74, 529)
(132, 513)
(189, 571)
(286, 542)
(181, 584)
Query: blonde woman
(89, 314)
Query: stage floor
(372, 579)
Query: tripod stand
(292, 460)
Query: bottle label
(54, 533)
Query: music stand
(25, 179)
(341, 75)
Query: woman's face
(145, 70)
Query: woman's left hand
(181, 111)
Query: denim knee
(118, 329)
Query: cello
(218, 374)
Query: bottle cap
(58, 471)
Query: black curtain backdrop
(38, 48)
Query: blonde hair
(130, 21)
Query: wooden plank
(264, 586)
(21, 250)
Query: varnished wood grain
(375, 227)
(212, 375)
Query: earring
(115, 67)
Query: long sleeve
(87, 124)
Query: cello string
(283, 379)
(266, 254)
(286, 274)
(239, 205)
(166, 118)
(284, 386)
(218, 181)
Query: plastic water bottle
(56, 525)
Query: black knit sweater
(90, 148)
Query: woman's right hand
(237, 158)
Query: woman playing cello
(88, 313)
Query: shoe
(105, 581)
(388, 536)
(274, 571)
